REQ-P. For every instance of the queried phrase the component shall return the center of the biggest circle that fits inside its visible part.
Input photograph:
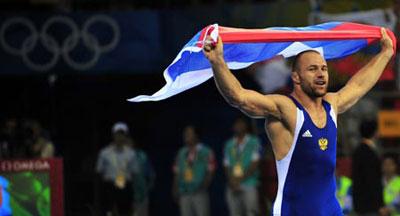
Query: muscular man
(302, 126)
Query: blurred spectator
(9, 138)
(268, 179)
(378, 17)
(142, 182)
(272, 74)
(37, 141)
(391, 186)
(366, 172)
(241, 160)
(117, 166)
(194, 168)
(344, 193)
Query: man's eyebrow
(315, 65)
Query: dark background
(79, 111)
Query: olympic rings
(63, 49)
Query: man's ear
(295, 77)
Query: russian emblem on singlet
(323, 144)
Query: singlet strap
(327, 106)
(296, 102)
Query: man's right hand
(386, 43)
(214, 52)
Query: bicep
(258, 105)
(342, 100)
(348, 96)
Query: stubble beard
(312, 92)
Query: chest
(196, 158)
(118, 158)
(242, 156)
(319, 119)
(317, 145)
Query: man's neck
(369, 142)
(118, 147)
(192, 147)
(240, 138)
(310, 103)
(240, 135)
(389, 177)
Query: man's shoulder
(330, 97)
(140, 153)
(130, 149)
(204, 147)
(282, 101)
(254, 139)
(397, 180)
(288, 109)
(359, 148)
(280, 98)
(182, 150)
(286, 105)
(106, 149)
(205, 150)
(229, 142)
(363, 149)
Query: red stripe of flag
(345, 31)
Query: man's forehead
(311, 58)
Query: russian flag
(243, 47)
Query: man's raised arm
(365, 78)
(251, 102)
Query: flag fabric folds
(243, 47)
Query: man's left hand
(386, 43)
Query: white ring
(60, 20)
(15, 21)
(105, 19)
(85, 65)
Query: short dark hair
(195, 129)
(244, 120)
(248, 123)
(368, 128)
(295, 60)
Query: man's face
(389, 167)
(119, 137)
(189, 136)
(312, 74)
(239, 127)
